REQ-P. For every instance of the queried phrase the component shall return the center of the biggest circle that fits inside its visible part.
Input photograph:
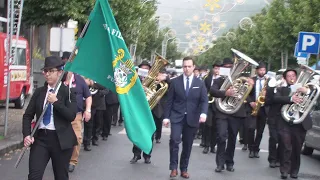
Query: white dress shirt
(213, 78)
(50, 126)
(185, 81)
(258, 86)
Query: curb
(10, 144)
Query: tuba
(296, 113)
(154, 90)
(231, 105)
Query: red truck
(20, 71)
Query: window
(20, 57)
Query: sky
(193, 21)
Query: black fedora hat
(261, 65)
(52, 62)
(227, 61)
(144, 63)
(66, 55)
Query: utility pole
(13, 29)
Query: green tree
(43, 12)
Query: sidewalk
(14, 137)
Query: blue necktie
(47, 114)
(187, 86)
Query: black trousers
(291, 140)
(137, 151)
(109, 115)
(255, 132)
(120, 117)
(158, 123)
(244, 131)
(88, 128)
(46, 147)
(227, 129)
(97, 124)
(209, 135)
(274, 147)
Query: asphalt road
(110, 160)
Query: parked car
(312, 141)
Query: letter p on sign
(308, 42)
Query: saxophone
(260, 100)
(150, 84)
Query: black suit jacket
(64, 112)
(282, 97)
(216, 92)
(111, 98)
(178, 103)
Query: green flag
(102, 56)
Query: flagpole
(55, 88)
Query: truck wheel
(307, 150)
(19, 103)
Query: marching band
(218, 105)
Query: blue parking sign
(309, 42)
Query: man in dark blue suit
(187, 105)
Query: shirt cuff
(164, 120)
(203, 115)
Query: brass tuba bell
(155, 90)
(296, 113)
(230, 105)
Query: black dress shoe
(251, 154)
(104, 138)
(201, 144)
(277, 164)
(147, 160)
(71, 167)
(256, 154)
(213, 150)
(158, 141)
(245, 147)
(135, 159)
(230, 168)
(294, 176)
(272, 165)
(95, 143)
(219, 168)
(87, 148)
(284, 175)
(205, 150)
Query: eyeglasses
(50, 71)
